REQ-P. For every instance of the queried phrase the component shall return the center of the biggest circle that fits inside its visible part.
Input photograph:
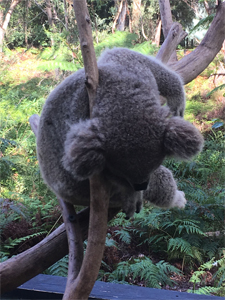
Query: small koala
(127, 139)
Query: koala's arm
(170, 86)
(162, 190)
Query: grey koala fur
(128, 137)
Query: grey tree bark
(80, 282)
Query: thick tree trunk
(119, 22)
(122, 17)
(4, 21)
(167, 22)
(158, 33)
(136, 14)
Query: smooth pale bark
(167, 22)
(4, 21)
(191, 65)
(174, 37)
(117, 16)
(136, 14)
(158, 33)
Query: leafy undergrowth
(157, 248)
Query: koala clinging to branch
(128, 137)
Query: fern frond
(208, 290)
(124, 236)
(10, 244)
(179, 244)
(60, 268)
(203, 23)
(220, 87)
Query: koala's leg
(84, 149)
(162, 190)
(131, 203)
(170, 86)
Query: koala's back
(134, 62)
(124, 101)
(132, 120)
(66, 105)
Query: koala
(127, 139)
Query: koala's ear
(182, 139)
(84, 149)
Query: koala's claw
(179, 200)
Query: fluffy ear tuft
(182, 139)
(84, 149)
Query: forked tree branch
(174, 37)
(191, 65)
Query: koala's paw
(84, 150)
(179, 200)
(129, 211)
(139, 205)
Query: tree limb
(174, 37)
(99, 189)
(74, 237)
(194, 63)
(28, 264)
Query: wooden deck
(52, 287)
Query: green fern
(12, 243)
(154, 275)
(60, 268)
(220, 87)
(203, 23)
(124, 235)
(219, 277)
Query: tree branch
(194, 63)
(99, 189)
(174, 37)
(28, 264)
(74, 237)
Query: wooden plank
(53, 287)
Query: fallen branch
(28, 264)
